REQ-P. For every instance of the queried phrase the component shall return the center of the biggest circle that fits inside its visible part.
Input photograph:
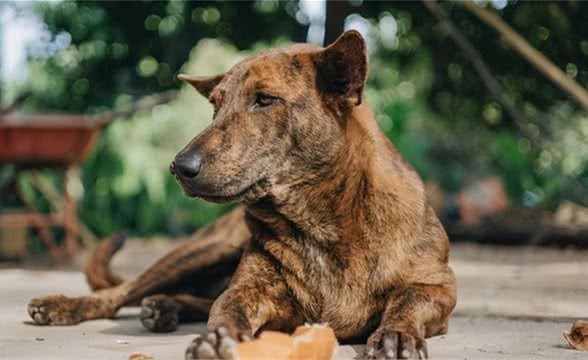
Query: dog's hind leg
(163, 313)
(212, 247)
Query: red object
(47, 140)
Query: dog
(334, 226)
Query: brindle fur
(334, 226)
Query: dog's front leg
(412, 314)
(257, 298)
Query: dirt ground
(513, 303)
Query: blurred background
(92, 112)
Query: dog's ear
(204, 84)
(342, 70)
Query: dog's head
(274, 112)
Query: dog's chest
(326, 283)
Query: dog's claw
(211, 338)
(206, 351)
(37, 314)
(191, 349)
(388, 343)
(214, 345)
(55, 310)
(146, 311)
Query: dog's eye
(263, 100)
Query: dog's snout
(187, 165)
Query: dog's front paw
(214, 345)
(389, 342)
(159, 313)
(55, 310)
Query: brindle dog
(334, 228)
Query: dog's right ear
(342, 70)
(204, 84)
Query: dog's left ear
(204, 84)
(342, 70)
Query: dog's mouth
(250, 193)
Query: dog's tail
(97, 270)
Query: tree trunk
(337, 11)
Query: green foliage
(456, 131)
(134, 48)
(127, 175)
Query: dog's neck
(331, 199)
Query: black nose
(186, 165)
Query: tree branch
(533, 56)
(480, 66)
(143, 104)
(15, 104)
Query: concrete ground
(513, 303)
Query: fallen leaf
(139, 356)
(578, 336)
